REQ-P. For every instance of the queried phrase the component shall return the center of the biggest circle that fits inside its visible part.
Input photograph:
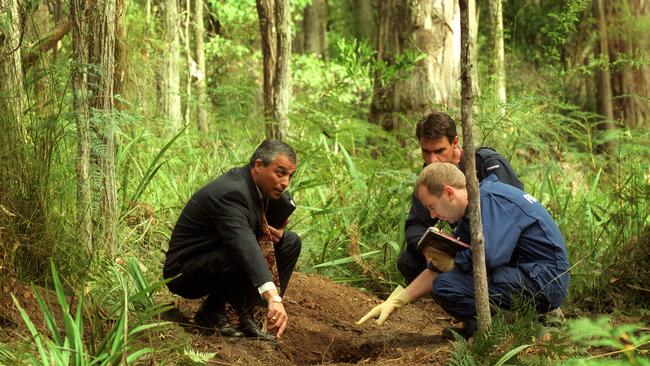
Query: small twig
(322, 360)
(638, 288)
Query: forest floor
(321, 330)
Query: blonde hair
(438, 175)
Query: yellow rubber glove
(396, 300)
(441, 260)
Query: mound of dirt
(322, 329)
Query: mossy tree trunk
(93, 75)
(13, 136)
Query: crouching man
(525, 253)
(223, 247)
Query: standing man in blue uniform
(525, 253)
(436, 134)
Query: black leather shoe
(215, 319)
(467, 331)
(250, 329)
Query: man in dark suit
(215, 246)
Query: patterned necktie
(266, 244)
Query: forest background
(114, 112)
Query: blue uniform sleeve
(500, 233)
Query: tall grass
(81, 340)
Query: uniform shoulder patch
(529, 198)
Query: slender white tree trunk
(481, 297)
(170, 98)
(201, 83)
(496, 16)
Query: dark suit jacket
(223, 216)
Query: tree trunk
(201, 83)
(170, 99)
(365, 21)
(82, 114)
(630, 81)
(282, 81)
(13, 136)
(275, 28)
(476, 225)
(498, 54)
(604, 90)
(431, 27)
(188, 64)
(120, 54)
(314, 28)
(94, 44)
(102, 54)
(39, 27)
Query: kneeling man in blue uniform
(525, 254)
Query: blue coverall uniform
(525, 255)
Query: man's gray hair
(269, 150)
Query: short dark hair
(269, 150)
(436, 125)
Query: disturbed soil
(321, 330)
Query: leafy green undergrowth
(88, 334)
(582, 341)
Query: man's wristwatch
(275, 298)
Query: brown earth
(321, 330)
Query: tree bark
(314, 24)
(13, 136)
(476, 225)
(630, 80)
(365, 21)
(120, 53)
(188, 64)
(170, 99)
(498, 54)
(266, 15)
(201, 83)
(604, 90)
(94, 44)
(282, 81)
(38, 28)
(102, 54)
(433, 28)
(82, 115)
(275, 28)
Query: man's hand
(396, 300)
(442, 261)
(276, 234)
(277, 318)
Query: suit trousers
(218, 275)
